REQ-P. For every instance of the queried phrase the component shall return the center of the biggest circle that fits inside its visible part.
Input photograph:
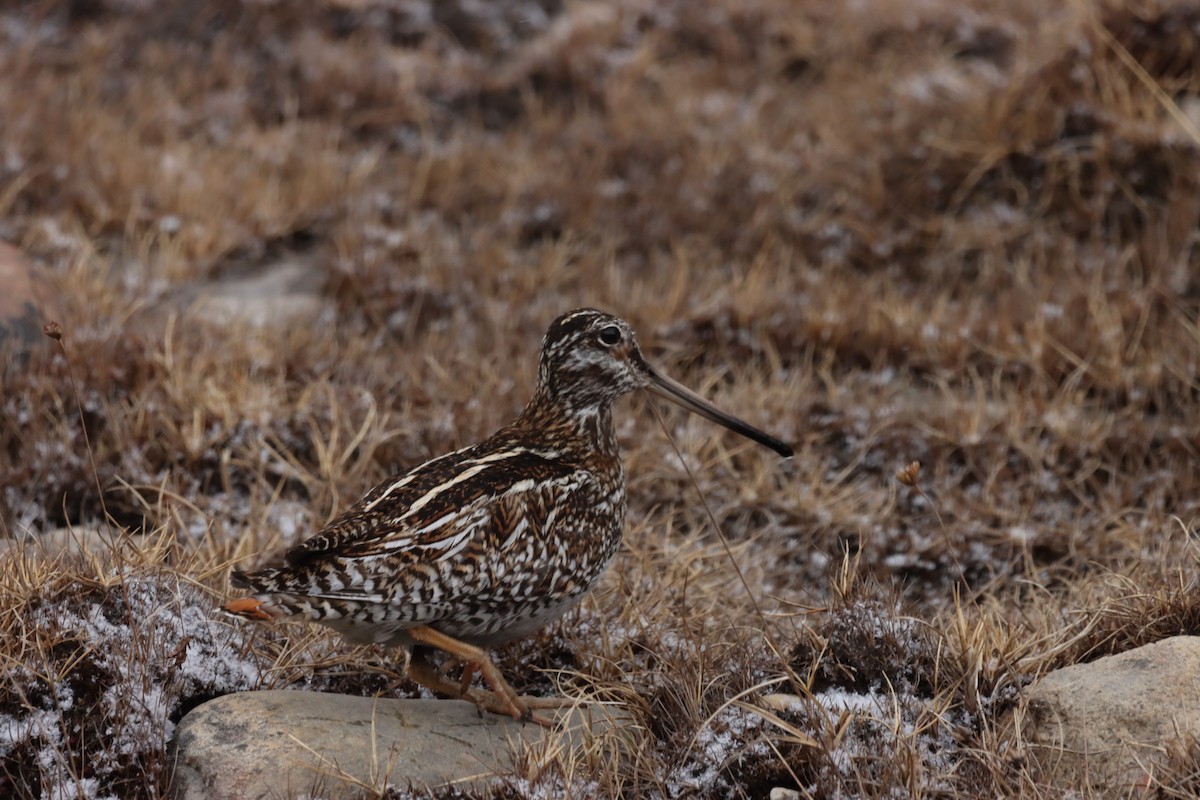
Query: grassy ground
(962, 234)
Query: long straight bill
(676, 392)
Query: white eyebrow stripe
(580, 313)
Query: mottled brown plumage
(488, 543)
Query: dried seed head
(909, 475)
(54, 330)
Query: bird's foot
(502, 699)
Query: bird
(486, 544)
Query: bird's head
(590, 358)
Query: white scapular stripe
(437, 523)
(480, 464)
(407, 479)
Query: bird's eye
(610, 335)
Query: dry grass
(959, 234)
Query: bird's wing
(438, 508)
(400, 564)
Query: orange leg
(468, 675)
(501, 700)
(424, 673)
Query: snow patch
(125, 659)
(727, 739)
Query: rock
(286, 291)
(73, 541)
(782, 702)
(272, 744)
(784, 793)
(1106, 723)
(25, 302)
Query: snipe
(491, 542)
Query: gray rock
(26, 302)
(286, 291)
(278, 744)
(1107, 723)
(78, 540)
